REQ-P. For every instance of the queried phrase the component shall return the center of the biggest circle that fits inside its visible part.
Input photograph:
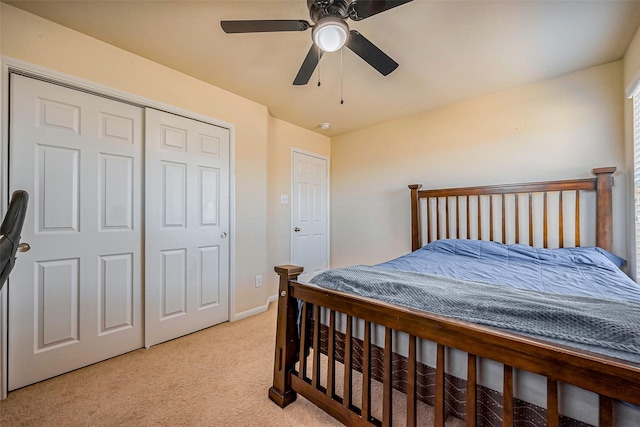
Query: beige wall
(556, 129)
(631, 74)
(283, 137)
(44, 43)
(560, 128)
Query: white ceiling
(448, 51)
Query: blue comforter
(586, 271)
(576, 296)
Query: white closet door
(75, 297)
(187, 226)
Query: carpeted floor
(216, 377)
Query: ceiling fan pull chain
(319, 56)
(341, 78)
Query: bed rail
(616, 379)
(459, 212)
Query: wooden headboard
(514, 213)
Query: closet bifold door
(75, 298)
(186, 226)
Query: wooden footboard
(297, 368)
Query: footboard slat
(411, 384)
(439, 398)
(472, 410)
(553, 416)
(302, 359)
(315, 374)
(348, 375)
(606, 412)
(387, 382)
(366, 372)
(507, 397)
(331, 364)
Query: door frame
(12, 65)
(295, 150)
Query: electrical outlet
(258, 281)
(284, 199)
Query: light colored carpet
(216, 377)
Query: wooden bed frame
(612, 379)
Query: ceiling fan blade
(370, 53)
(264, 26)
(308, 65)
(361, 9)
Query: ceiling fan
(329, 33)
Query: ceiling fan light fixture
(330, 34)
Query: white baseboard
(254, 311)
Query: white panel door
(75, 297)
(186, 223)
(309, 245)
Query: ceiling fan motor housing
(321, 8)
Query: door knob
(223, 235)
(296, 229)
(23, 247)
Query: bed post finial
(286, 337)
(415, 217)
(604, 216)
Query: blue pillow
(615, 259)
